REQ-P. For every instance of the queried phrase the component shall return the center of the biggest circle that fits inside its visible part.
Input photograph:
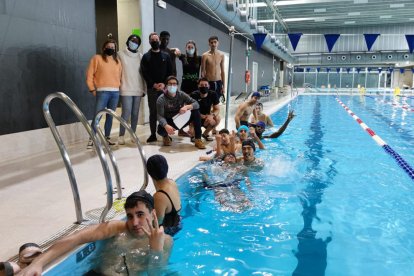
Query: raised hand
(155, 233)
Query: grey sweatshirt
(168, 107)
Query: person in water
(167, 197)
(140, 242)
(260, 127)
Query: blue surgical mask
(132, 45)
(172, 89)
(190, 52)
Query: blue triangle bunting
(331, 40)
(338, 70)
(370, 40)
(402, 70)
(259, 39)
(308, 69)
(379, 70)
(294, 39)
(412, 70)
(410, 41)
(348, 70)
(328, 70)
(358, 70)
(318, 69)
(369, 69)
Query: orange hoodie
(103, 74)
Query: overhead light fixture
(354, 13)
(396, 6)
(349, 22)
(319, 10)
(319, 19)
(385, 16)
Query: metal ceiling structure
(300, 15)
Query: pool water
(329, 201)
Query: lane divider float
(400, 161)
(403, 106)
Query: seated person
(209, 107)
(139, 232)
(174, 102)
(260, 116)
(245, 109)
(260, 127)
(167, 197)
(225, 143)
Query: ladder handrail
(111, 155)
(98, 147)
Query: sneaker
(90, 144)
(108, 140)
(121, 140)
(152, 138)
(199, 144)
(207, 137)
(166, 140)
(182, 133)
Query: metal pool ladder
(99, 143)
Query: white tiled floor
(36, 198)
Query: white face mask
(190, 51)
(132, 45)
(172, 89)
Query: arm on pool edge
(92, 233)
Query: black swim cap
(250, 143)
(142, 196)
(157, 167)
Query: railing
(65, 155)
(98, 143)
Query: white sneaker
(121, 140)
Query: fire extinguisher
(247, 76)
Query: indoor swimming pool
(329, 201)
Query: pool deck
(37, 201)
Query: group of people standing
(131, 75)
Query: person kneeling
(174, 102)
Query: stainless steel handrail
(65, 156)
(110, 153)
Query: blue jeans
(107, 99)
(130, 108)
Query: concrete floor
(36, 198)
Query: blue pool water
(330, 201)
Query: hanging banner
(358, 70)
(338, 70)
(402, 70)
(331, 40)
(410, 41)
(259, 39)
(370, 40)
(318, 69)
(348, 70)
(294, 39)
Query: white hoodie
(132, 82)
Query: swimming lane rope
(400, 161)
(403, 106)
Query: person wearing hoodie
(133, 86)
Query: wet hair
(228, 154)
(260, 105)
(157, 167)
(165, 33)
(151, 34)
(26, 245)
(213, 37)
(202, 79)
(225, 131)
(115, 55)
(140, 196)
(172, 78)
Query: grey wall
(45, 46)
(184, 22)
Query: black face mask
(109, 51)
(155, 45)
(203, 90)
